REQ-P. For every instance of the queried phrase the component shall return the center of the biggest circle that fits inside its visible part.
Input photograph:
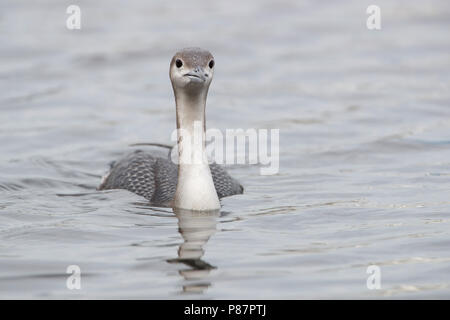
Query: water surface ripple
(364, 158)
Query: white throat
(195, 186)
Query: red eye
(211, 64)
(178, 63)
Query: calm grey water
(364, 178)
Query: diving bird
(189, 185)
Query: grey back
(155, 178)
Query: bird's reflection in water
(196, 228)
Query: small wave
(33, 95)
(11, 186)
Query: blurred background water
(364, 149)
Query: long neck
(195, 186)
